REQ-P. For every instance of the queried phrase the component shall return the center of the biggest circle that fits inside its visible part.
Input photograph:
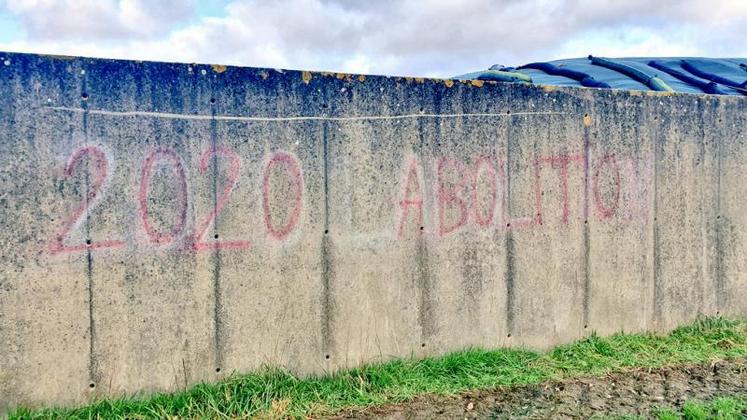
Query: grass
(274, 393)
(719, 408)
(722, 408)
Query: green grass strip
(273, 392)
(722, 408)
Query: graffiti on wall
(99, 173)
(476, 194)
(466, 192)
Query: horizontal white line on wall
(291, 118)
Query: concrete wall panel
(166, 224)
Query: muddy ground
(637, 392)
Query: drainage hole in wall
(586, 222)
(92, 385)
(421, 228)
(326, 231)
(508, 336)
(508, 224)
(212, 100)
(88, 242)
(84, 96)
(216, 236)
(422, 345)
(586, 326)
(217, 370)
(326, 356)
(508, 112)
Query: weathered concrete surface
(164, 224)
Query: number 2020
(99, 164)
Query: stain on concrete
(585, 236)
(218, 68)
(328, 274)
(426, 314)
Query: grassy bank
(273, 392)
(720, 408)
(723, 408)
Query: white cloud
(359, 63)
(68, 20)
(423, 37)
(629, 41)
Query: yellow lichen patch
(659, 93)
(548, 88)
(264, 75)
(306, 77)
(341, 76)
(361, 78)
(449, 82)
(635, 93)
(477, 83)
(420, 80)
(218, 68)
(587, 120)
(59, 57)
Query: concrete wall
(164, 224)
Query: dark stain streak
(93, 375)
(586, 239)
(657, 292)
(216, 256)
(719, 280)
(426, 314)
(509, 244)
(327, 296)
(510, 273)
(702, 162)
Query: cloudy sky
(406, 37)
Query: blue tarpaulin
(725, 76)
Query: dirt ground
(635, 392)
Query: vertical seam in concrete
(217, 304)
(425, 307)
(656, 299)
(92, 374)
(719, 280)
(509, 245)
(326, 298)
(704, 214)
(426, 315)
(586, 239)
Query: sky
(433, 38)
